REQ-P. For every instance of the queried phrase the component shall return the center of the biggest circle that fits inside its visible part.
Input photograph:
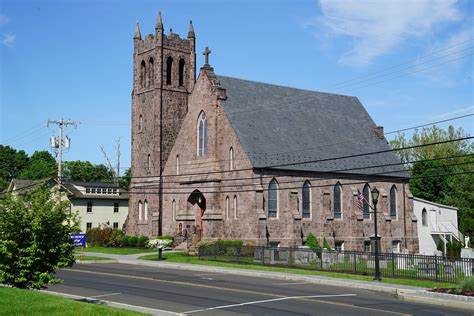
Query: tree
(12, 162)
(34, 238)
(455, 186)
(40, 166)
(124, 181)
(86, 171)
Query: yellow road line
(234, 290)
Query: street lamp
(375, 197)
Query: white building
(96, 203)
(435, 222)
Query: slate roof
(81, 194)
(280, 125)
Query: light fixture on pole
(375, 198)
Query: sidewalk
(402, 292)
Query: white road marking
(211, 274)
(110, 294)
(292, 283)
(210, 279)
(267, 301)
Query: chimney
(378, 131)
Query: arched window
(142, 74)
(177, 164)
(227, 216)
(148, 162)
(202, 135)
(337, 201)
(424, 218)
(151, 80)
(235, 207)
(181, 72)
(145, 211)
(306, 194)
(231, 158)
(366, 193)
(169, 70)
(140, 123)
(393, 202)
(273, 198)
(140, 211)
(173, 209)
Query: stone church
(226, 158)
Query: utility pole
(57, 143)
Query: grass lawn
(183, 257)
(30, 302)
(88, 258)
(116, 251)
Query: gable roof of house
(283, 127)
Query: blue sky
(409, 62)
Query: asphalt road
(194, 292)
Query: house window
(337, 201)
(306, 193)
(181, 72)
(169, 70)
(140, 123)
(202, 135)
(367, 246)
(173, 209)
(231, 158)
(116, 225)
(115, 191)
(395, 246)
(424, 218)
(116, 207)
(273, 198)
(235, 207)
(88, 190)
(227, 207)
(143, 74)
(145, 210)
(177, 164)
(339, 245)
(93, 190)
(152, 72)
(109, 191)
(366, 193)
(393, 202)
(88, 225)
(140, 211)
(99, 191)
(89, 207)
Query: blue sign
(78, 240)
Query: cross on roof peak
(206, 53)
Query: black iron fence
(393, 265)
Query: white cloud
(445, 59)
(8, 40)
(378, 26)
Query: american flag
(360, 201)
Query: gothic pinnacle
(137, 34)
(159, 22)
(191, 30)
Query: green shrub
(98, 236)
(440, 245)
(142, 241)
(166, 237)
(312, 243)
(115, 239)
(467, 285)
(229, 246)
(133, 241)
(326, 244)
(204, 243)
(125, 240)
(248, 249)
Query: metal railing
(393, 265)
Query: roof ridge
(287, 87)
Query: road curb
(403, 293)
(96, 261)
(146, 310)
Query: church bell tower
(164, 74)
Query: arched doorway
(196, 197)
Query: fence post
(321, 257)
(436, 267)
(355, 262)
(263, 255)
(393, 264)
(290, 256)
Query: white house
(435, 222)
(96, 203)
